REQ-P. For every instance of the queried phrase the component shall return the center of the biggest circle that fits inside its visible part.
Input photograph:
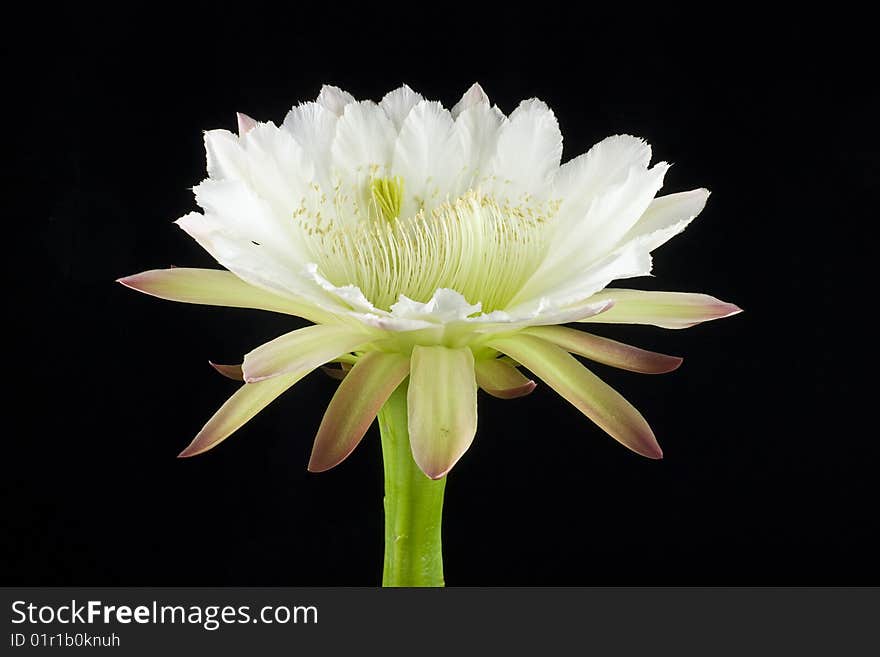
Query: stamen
(475, 245)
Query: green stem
(413, 505)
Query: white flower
(441, 245)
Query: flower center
(481, 247)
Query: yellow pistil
(387, 194)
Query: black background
(769, 474)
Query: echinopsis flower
(443, 246)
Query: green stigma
(387, 193)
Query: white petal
(358, 307)
(350, 295)
(477, 129)
(245, 124)
(334, 99)
(613, 214)
(449, 319)
(231, 251)
(607, 163)
(398, 103)
(632, 260)
(401, 325)
(364, 137)
(266, 159)
(313, 127)
(445, 306)
(280, 171)
(267, 268)
(236, 208)
(529, 147)
(473, 96)
(579, 182)
(577, 257)
(543, 313)
(669, 215)
(226, 158)
(666, 217)
(427, 157)
(362, 149)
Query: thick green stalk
(413, 505)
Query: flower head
(443, 246)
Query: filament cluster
(480, 247)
